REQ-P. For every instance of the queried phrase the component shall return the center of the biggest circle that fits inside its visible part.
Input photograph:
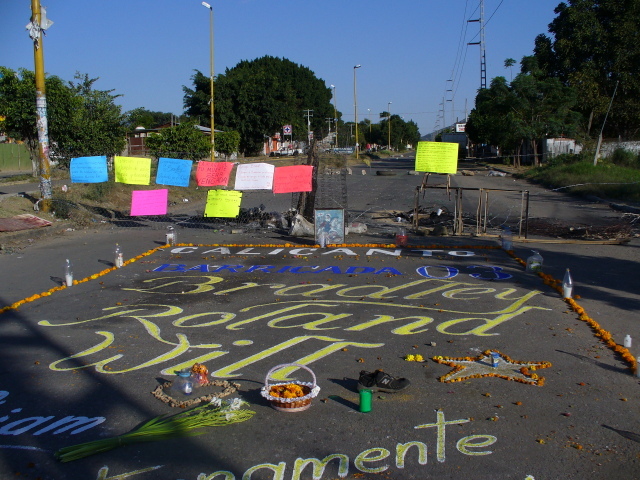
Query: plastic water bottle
(119, 259)
(507, 239)
(495, 356)
(567, 285)
(68, 273)
(627, 341)
(171, 235)
(534, 262)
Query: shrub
(625, 158)
(98, 191)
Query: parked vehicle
(286, 151)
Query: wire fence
(476, 211)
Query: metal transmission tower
(483, 57)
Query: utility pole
(595, 158)
(211, 85)
(389, 125)
(453, 112)
(355, 107)
(39, 23)
(329, 120)
(335, 113)
(308, 114)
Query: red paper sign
(212, 174)
(296, 178)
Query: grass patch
(576, 175)
(19, 178)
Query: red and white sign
(287, 129)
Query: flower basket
(296, 404)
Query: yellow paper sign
(133, 170)
(437, 157)
(223, 203)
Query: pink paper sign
(149, 202)
(212, 174)
(296, 178)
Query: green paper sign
(223, 203)
(437, 157)
(133, 170)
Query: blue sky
(408, 49)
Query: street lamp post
(213, 150)
(389, 122)
(335, 114)
(355, 106)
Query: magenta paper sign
(212, 174)
(296, 178)
(149, 202)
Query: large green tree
(533, 107)
(256, 98)
(96, 124)
(594, 45)
(81, 121)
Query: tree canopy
(595, 44)
(81, 120)
(256, 98)
(566, 87)
(141, 117)
(532, 107)
(402, 133)
(182, 141)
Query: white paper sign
(254, 176)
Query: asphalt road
(261, 299)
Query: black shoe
(381, 382)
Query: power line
(463, 33)
(494, 12)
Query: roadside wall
(14, 158)
(608, 148)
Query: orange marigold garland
(15, 305)
(481, 366)
(599, 332)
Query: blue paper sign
(174, 171)
(89, 169)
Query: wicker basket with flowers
(293, 396)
